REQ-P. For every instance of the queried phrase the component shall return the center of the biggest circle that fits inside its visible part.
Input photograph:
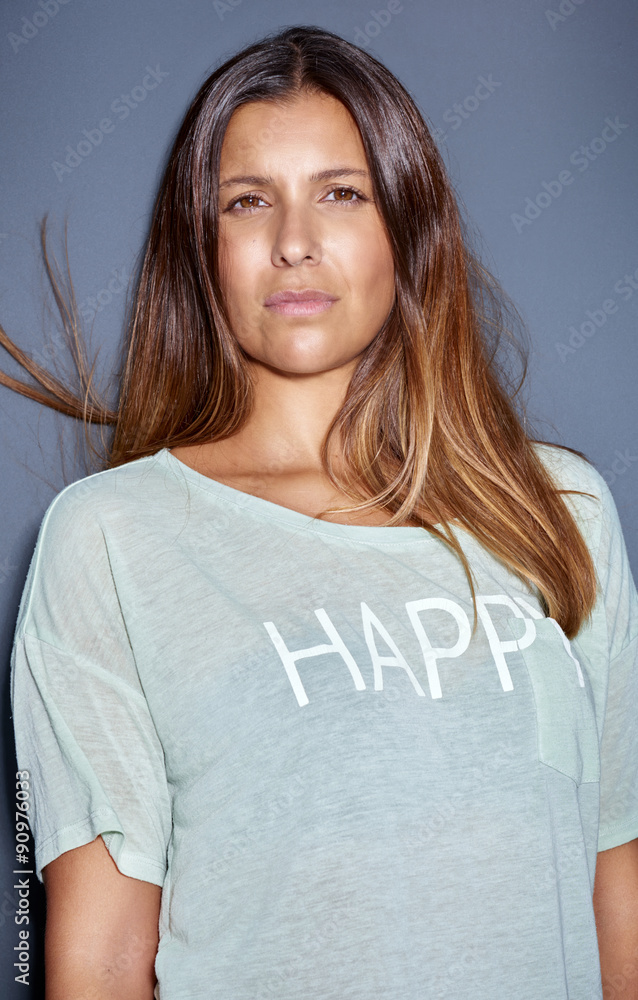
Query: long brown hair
(430, 429)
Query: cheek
(236, 272)
(239, 279)
(377, 267)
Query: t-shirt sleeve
(619, 739)
(82, 724)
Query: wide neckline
(266, 508)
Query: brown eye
(245, 202)
(345, 195)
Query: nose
(296, 237)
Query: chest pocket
(566, 718)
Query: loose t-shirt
(291, 726)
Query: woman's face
(297, 215)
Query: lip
(299, 302)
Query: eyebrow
(321, 175)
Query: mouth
(308, 302)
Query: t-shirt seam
(96, 813)
(311, 527)
(26, 634)
(619, 826)
(77, 822)
(125, 853)
(44, 525)
(317, 527)
(624, 649)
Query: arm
(101, 932)
(616, 913)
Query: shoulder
(569, 469)
(84, 504)
(74, 526)
(71, 560)
(584, 489)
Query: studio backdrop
(533, 105)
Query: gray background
(555, 71)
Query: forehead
(307, 128)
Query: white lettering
(370, 620)
(501, 646)
(430, 653)
(289, 658)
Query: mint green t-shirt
(289, 725)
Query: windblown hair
(430, 429)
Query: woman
(293, 680)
